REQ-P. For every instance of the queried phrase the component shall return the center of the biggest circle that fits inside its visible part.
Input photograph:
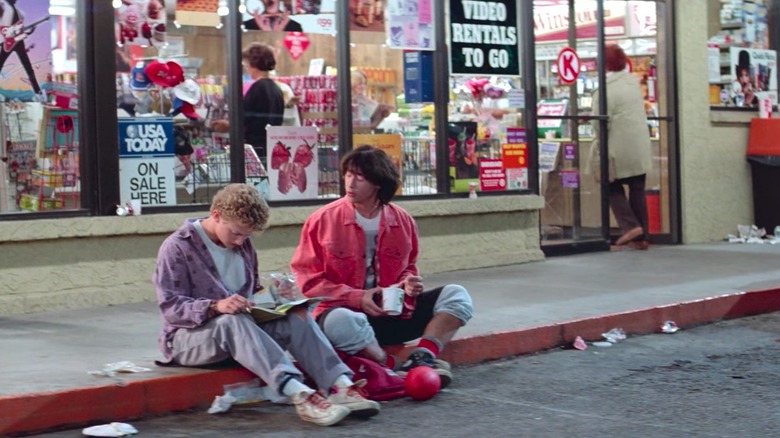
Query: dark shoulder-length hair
(376, 167)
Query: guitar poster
(25, 55)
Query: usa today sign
(146, 161)
(484, 38)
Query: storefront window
(392, 95)
(39, 117)
(486, 138)
(172, 105)
(292, 108)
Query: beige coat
(628, 137)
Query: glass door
(565, 34)
(569, 69)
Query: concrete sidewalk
(518, 309)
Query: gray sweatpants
(261, 348)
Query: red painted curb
(33, 412)
(27, 413)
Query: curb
(35, 412)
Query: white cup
(135, 204)
(392, 300)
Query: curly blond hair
(242, 203)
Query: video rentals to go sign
(484, 38)
(146, 160)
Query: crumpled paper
(221, 404)
(112, 369)
(615, 335)
(111, 429)
(751, 234)
(242, 393)
(669, 327)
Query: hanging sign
(568, 65)
(200, 13)
(484, 38)
(296, 43)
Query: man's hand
(233, 305)
(413, 285)
(271, 21)
(367, 304)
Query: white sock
(294, 387)
(343, 381)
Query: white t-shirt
(230, 264)
(371, 230)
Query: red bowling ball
(422, 383)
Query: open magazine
(262, 312)
(281, 295)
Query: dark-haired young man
(352, 248)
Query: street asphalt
(717, 380)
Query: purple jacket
(186, 280)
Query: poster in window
(308, 16)
(463, 155)
(26, 49)
(753, 75)
(293, 162)
(140, 23)
(409, 24)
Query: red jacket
(330, 257)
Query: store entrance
(569, 117)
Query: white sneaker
(317, 409)
(354, 398)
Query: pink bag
(383, 384)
